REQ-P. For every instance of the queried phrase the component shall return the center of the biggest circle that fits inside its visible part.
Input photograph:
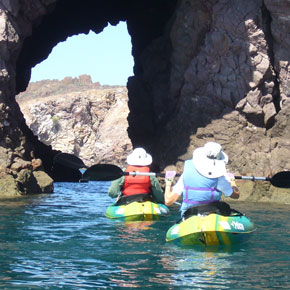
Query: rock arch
(203, 70)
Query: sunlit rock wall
(89, 122)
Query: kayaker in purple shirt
(204, 179)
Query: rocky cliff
(79, 117)
(203, 70)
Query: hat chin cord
(210, 173)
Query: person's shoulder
(223, 177)
(223, 181)
(119, 180)
(153, 178)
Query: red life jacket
(136, 184)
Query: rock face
(79, 117)
(232, 90)
(204, 70)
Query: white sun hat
(210, 161)
(139, 157)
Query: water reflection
(134, 231)
(125, 278)
(10, 247)
(200, 269)
(140, 251)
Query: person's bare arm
(236, 191)
(170, 196)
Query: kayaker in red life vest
(133, 187)
(204, 179)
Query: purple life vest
(198, 189)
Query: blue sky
(106, 57)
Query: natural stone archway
(204, 70)
(34, 28)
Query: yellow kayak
(137, 208)
(211, 229)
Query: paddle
(71, 161)
(108, 172)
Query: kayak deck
(137, 211)
(212, 229)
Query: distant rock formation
(79, 117)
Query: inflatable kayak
(136, 208)
(214, 224)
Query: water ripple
(64, 241)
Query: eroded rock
(208, 70)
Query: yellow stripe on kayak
(137, 211)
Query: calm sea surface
(64, 241)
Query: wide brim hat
(210, 161)
(139, 157)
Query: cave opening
(106, 57)
(69, 92)
(146, 21)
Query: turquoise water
(64, 241)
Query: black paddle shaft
(281, 179)
(109, 172)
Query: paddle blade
(103, 172)
(281, 179)
(69, 160)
